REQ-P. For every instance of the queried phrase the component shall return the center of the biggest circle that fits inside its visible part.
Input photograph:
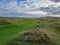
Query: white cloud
(36, 4)
(54, 15)
(10, 6)
(58, 4)
(28, 6)
(35, 12)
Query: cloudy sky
(33, 7)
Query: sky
(33, 7)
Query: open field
(11, 27)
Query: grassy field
(11, 27)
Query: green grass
(8, 32)
(12, 30)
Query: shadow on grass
(28, 43)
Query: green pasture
(11, 27)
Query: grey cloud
(50, 10)
(55, 0)
(9, 13)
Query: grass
(8, 32)
(17, 25)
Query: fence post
(38, 24)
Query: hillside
(10, 28)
